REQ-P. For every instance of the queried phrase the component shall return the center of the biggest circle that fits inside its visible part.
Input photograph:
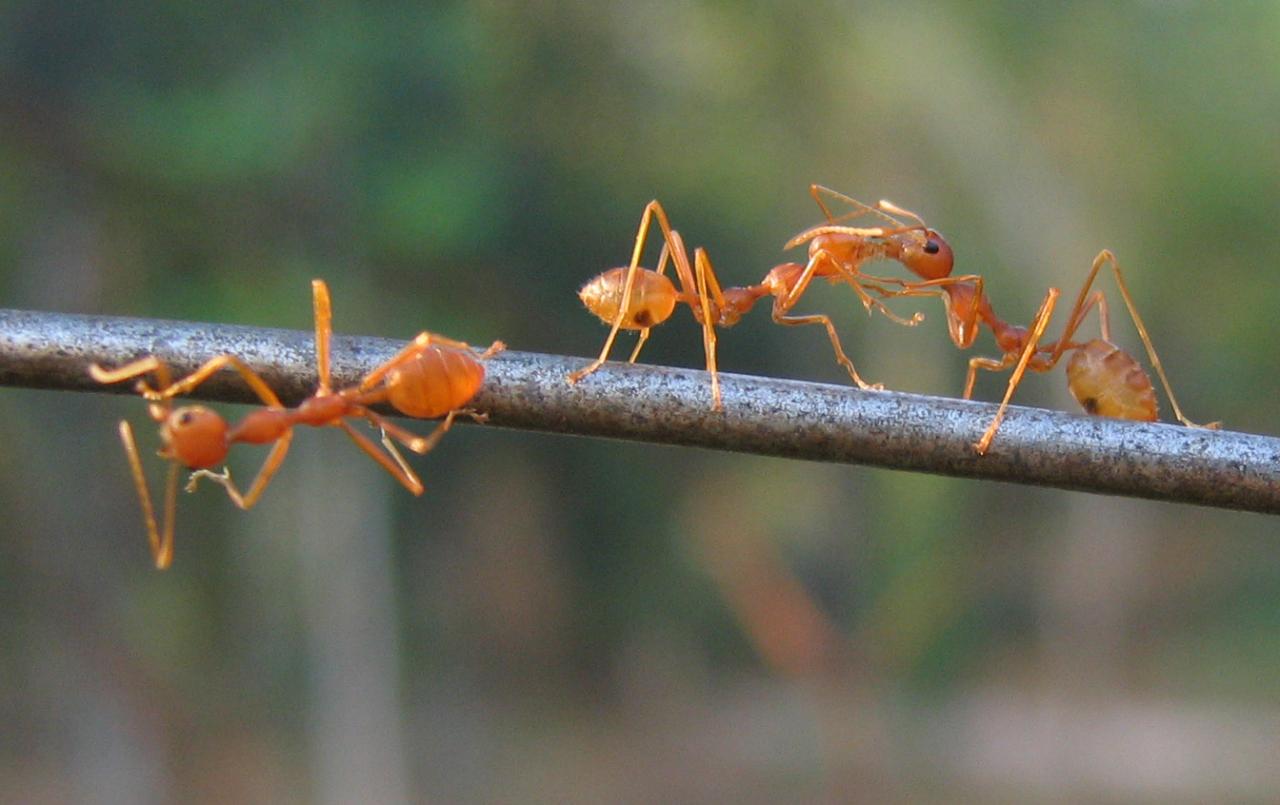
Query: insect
(1105, 379)
(431, 377)
(1102, 377)
(638, 298)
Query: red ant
(638, 298)
(431, 377)
(1103, 378)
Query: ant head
(195, 436)
(925, 254)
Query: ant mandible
(1105, 379)
(432, 376)
(638, 298)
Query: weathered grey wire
(658, 404)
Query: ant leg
(1105, 256)
(704, 273)
(1084, 301)
(681, 270)
(852, 278)
(673, 251)
(164, 554)
(211, 367)
(1039, 324)
(917, 317)
(462, 346)
(494, 349)
(869, 301)
(400, 471)
(1036, 364)
(420, 343)
(644, 336)
(406, 437)
(990, 365)
(160, 540)
(395, 454)
(270, 465)
(963, 329)
(652, 209)
(158, 407)
(130, 370)
(782, 306)
(421, 444)
(855, 280)
(701, 287)
(1064, 343)
(413, 349)
(324, 331)
(574, 376)
(269, 468)
(841, 358)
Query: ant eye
(185, 418)
(931, 246)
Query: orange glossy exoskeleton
(1105, 379)
(639, 298)
(431, 377)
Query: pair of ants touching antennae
(1104, 378)
(432, 377)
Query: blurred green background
(563, 619)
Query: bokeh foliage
(464, 167)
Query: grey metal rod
(658, 404)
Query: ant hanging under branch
(431, 377)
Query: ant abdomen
(435, 382)
(1107, 381)
(653, 298)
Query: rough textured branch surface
(671, 406)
